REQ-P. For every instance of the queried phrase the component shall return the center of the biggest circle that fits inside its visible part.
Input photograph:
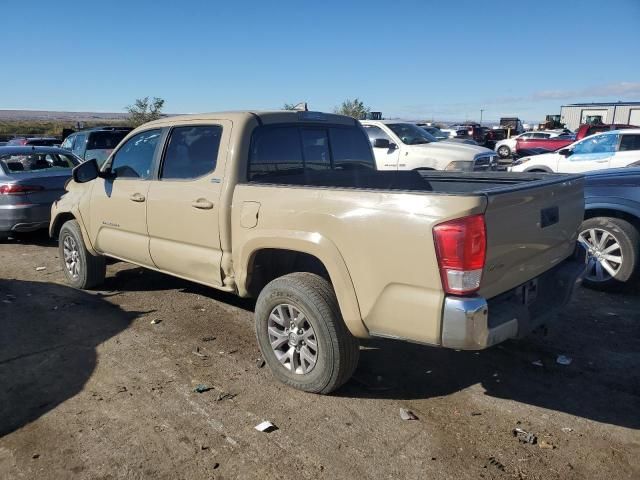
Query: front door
(183, 207)
(386, 158)
(592, 153)
(118, 213)
(628, 151)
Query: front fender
(313, 244)
(69, 205)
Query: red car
(556, 143)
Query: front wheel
(613, 247)
(504, 151)
(301, 333)
(81, 268)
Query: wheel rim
(292, 339)
(503, 151)
(605, 254)
(71, 256)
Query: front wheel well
(59, 221)
(271, 263)
(609, 212)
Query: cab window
(596, 144)
(630, 142)
(135, 157)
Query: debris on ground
(547, 445)
(537, 363)
(525, 437)
(208, 339)
(475, 414)
(225, 396)
(496, 463)
(40, 269)
(155, 321)
(407, 414)
(260, 362)
(567, 429)
(198, 353)
(564, 360)
(202, 388)
(216, 465)
(266, 427)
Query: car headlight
(460, 165)
(520, 161)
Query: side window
(68, 142)
(596, 144)
(350, 148)
(134, 158)
(78, 145)
(630, 142)
(275, 150)
(315, 146)
(192, 152)
(374, 132)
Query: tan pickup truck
(288, 207)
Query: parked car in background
(611, 229)
(405, 146)
(31, 179)
(493, 136)
(95, 143)
(507, 146)
(555, 143)
(434, 131)
(34, 141)
(618, 148)
(289, 207)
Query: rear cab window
(36, 162)
(192, 152)
(298, 154)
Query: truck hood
(457, 150)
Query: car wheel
(612, 245)
(504, 151)
(81, 269)
(301, 333)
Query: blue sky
(410, 59)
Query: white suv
(399, 145)
(617, 148)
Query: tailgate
(531, 227)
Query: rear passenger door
(628, 151)
(183, 216)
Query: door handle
(137, 197)
(202, 204)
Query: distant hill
(46, 115)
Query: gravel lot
(90, 388)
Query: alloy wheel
(605, 254)
(292, 339)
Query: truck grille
(485, 162)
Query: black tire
(627, 237)
(504, 151)
(91, 268)
(338, 351)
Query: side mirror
(381, 143)
(565, 152)
(85, 172)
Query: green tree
(353, 108)
(144, 110)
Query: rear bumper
(474, 323)
(24, 218)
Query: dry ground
(89, 388)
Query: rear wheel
(81, 269)
(302, 335)
(613, 245)
(504, 151)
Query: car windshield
(411, 134)
(36, 162)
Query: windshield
(411, 134)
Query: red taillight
(461, 247)
(17, 189)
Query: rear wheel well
(271, 263)
(606, 212)
(538, 170)
(60, 220)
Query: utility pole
(481, 111)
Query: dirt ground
(90, 388)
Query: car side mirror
(85, 172)
(381, 143)
(565, 152)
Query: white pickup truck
(401, 145)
